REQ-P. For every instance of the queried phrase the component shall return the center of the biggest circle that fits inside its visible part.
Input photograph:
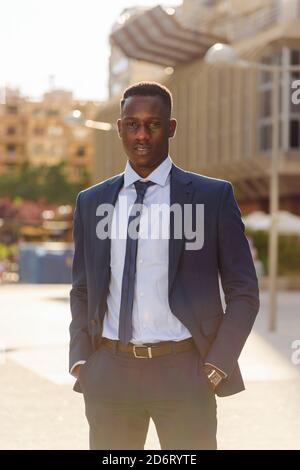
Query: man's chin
(141, 160)
(144, 155)
(144, 162)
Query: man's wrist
(75, 370)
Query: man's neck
(143, 172)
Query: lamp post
(223, 54)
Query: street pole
(274, 200)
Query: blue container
(45, 263)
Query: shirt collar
(158, 176)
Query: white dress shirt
(152, 319)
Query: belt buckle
(142, 357)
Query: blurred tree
(47, 183)
(288, 252)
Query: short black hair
(149, 89)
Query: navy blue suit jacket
(194, 293)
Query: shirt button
(140, 261)
(141, 294)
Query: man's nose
(142, 132)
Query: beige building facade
(224, 114)
(13, 130)
(40, 133)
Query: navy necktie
(128, 280)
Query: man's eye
(131, 125)
(154, 125)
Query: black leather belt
(150, 351)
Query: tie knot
(141, 187)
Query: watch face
(215, 378)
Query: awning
(156, 36)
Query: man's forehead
(150, 105)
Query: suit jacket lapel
(109, 195)
(181, 191)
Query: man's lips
(142, 148)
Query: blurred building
(37, 131)
(224, 115)
(124, 70)
(13, 129)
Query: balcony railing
(247, 25)
(255, 22)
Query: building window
(52, 112)
(209, 3)
(265, 102)
(294, 134)
(11, 130)
(38, 131)
(55, 131)
(11, 150)
(265, 137)
(295, 60)
(38, 112)
(289, 114)
(80, 152)
(11, 109)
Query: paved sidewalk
(39, 410)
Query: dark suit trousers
(121, 393)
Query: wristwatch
(214, 377)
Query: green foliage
(288, 252)
(48, 183)
(289, 255)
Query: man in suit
(149, 337)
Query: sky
(67, 39)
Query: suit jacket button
(93, 322)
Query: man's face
(145, 128)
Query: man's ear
(172, 127)
(119, 124)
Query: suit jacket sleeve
(239, 282)
(80, 342)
